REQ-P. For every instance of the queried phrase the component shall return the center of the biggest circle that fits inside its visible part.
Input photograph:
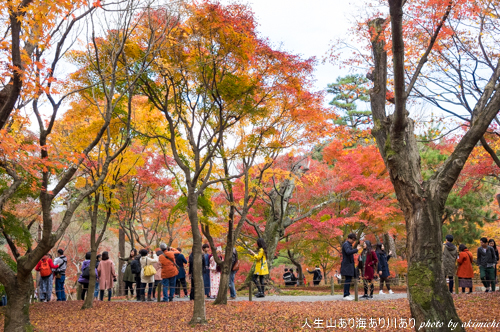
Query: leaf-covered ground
(246, 316)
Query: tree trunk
(224, 283)
(121, 248)
(89, 299)
(17, 317)
(422, 202)
(199, 315)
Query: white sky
(305, 28)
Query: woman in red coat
(465, 272)
(370, 266)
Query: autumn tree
(433, 38)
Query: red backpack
(45, 269)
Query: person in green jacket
(261, 268)
(128, 276)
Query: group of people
(291, 280)
(50, 270)
(460, 263)
(146, 269)
(372, 264)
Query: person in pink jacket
(107, 275)
(157, 267)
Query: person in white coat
(146, 260)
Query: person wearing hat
(450, 255)
(347, 266)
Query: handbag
(236, 266)
(149, 270)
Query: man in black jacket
(486, 259)
(317, 275)
(347, 266)
(287, 277)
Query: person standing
(261, 268)
(361, 269)
(316, 275)
(465, 272)
(347, 265)
(215, 271)
(60, 275)
(169, 272)
(96, 290)
(83, 279)
(369, 271)
(492, 244)
(206, 269)
(450, 255)
(180, 260)
(147, 280)
(383, 267)
(136, 270)
(235, 266)
(486, 260)
(107, 275)
(128, 275)
(157, 267)
(45, 266)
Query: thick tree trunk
(199, 315)
(224, 284)
(89, 299)
(17, 317)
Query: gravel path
(311, 298)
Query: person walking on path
(347, 265)
(215, 271)
(157, 267)
(96, 290)
(464, 271)
(261, 268)
(180, 260)
(146, 278)
(169, 272)
(83, 279)
(493, 244)
(206, 269)
(235, 266)
(383, 267)
(107, 275)
(450, 255)
(60, 274)
(486, 260)
(128, 275)
(45, 266)
(370, 268)
(317, 276)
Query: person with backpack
(60, 274)
(107, 275)
(450, 255)
(486, 259)
(317, 277)
(180, 280)
(128, 274)
(45, 266)
(465, 272)
(235, 266)
(169, 271)
(147, 273)
(84, 277)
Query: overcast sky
(304, 27)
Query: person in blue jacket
(383, 268)
(180, 260)
(347, 266)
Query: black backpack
(86, 272)
(135, 266)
